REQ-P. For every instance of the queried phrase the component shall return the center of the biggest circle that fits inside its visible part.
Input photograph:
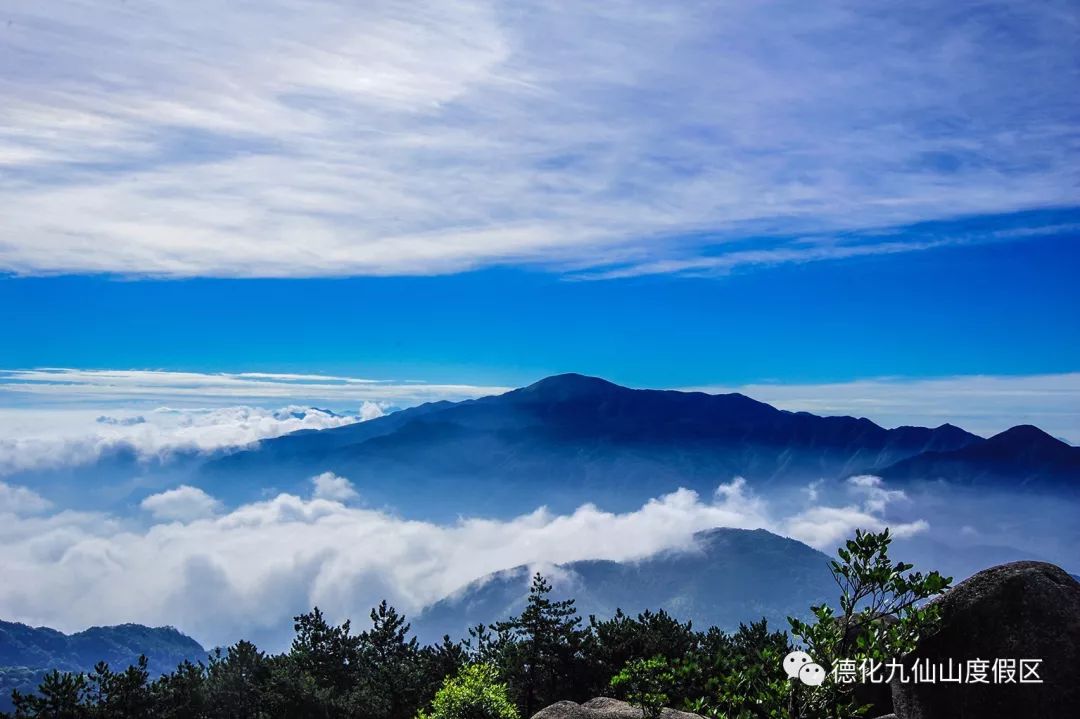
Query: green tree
(532, 660)
(474, 693)
(238, 681)
(883, 613)
(737, 676)
(541, 649)
(439, 661)
(329, 654)
(613, 642)
(393, 666)
(645, 683)
(181, 694)
(61, 695)
(121, 695)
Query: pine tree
(393, 665)
(61, 695)
(181, 694)
(330, 654)
(123, 695)
(544, 659)
(438, 662)
(238, 680)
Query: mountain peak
(710, 582)
(1026, 435)
(570, 384)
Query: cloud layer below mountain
(50, 439)
(222, 575)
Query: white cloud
(875, 496)
(371, 410)
(321, 138)
(826, 526)
(59, 417)
(252, 567)
(20, 500)
(983, 404)
(334, 488)
(246, 571)
(69, 385)
(50, 438)
(183, 504)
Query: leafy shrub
(475, 693)
(883, 613)
(743, 674)
(645, 683)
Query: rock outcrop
(603, 708)
(1022, 610)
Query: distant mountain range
(570, 438)
(28, 653)
(728, 577)
(1020, 456)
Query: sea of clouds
(35, 439)
(224, 573)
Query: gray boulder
(1021, 610)
(564, 710)
(603, 708)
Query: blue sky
(1007, 307)
(482, 193)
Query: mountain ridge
(25, 645)
(571, 438)
(726, 576)
(1023, 454)
(27, 653)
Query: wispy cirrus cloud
(46, 385)
(320, 137)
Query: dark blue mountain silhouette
(728, 577)
(28, 653)
(1021, 456)
(572, 438)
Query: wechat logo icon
(800, 665)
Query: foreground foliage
(883, 613)
(475, 693)
(645, 683)
(512, 669)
